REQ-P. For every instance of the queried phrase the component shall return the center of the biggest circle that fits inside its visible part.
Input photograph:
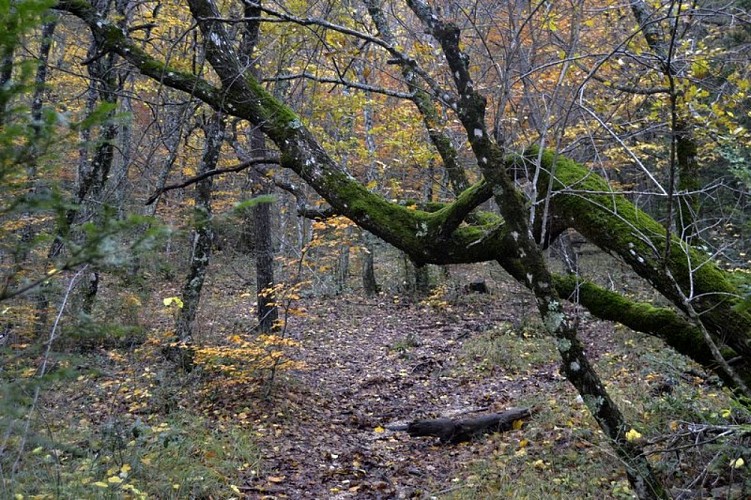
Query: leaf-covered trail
(374, 363)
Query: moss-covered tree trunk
(527, 256)
(585, 202)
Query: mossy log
(453, 431)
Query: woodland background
(242, 242)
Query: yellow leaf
(523, 443)
(235, 489)
(173, 300)
(114, 480)
(633, 435)
(517, 424)
(726, 413)
(100, 484)
(379, 430)
(737, 463)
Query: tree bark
(203, 234)
(267, 311)
(369, 283)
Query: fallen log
(456, 431)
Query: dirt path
(371, 364)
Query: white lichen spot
(457, 75)
(563, 345)
(631, 244)
(530, 277)
(484, 160)
(553, 320)
(632, 252)
(215, 39)
(522, 253)
(478, 133)
(640, 259)
(171, 74)
(575, 367)
(543, 285)
(593, 403)
(295, 124)
(515, 235)
(453, 105)
(422, 230)
(309, 162)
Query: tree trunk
(369, 283)
(267, 311)
(342, 267)
(203, 234)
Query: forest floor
(128, 425)
(371, 363)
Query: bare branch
(340, 81)
(211, 173)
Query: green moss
(272, 111)
(607, 219)
(660, 322)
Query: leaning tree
(471, 71)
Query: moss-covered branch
(414, 231)
(661, 322)
(607, 219)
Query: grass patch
(559, 453)
(516, 351)
(179, 457)
(695, 434)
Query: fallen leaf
(633, 435)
